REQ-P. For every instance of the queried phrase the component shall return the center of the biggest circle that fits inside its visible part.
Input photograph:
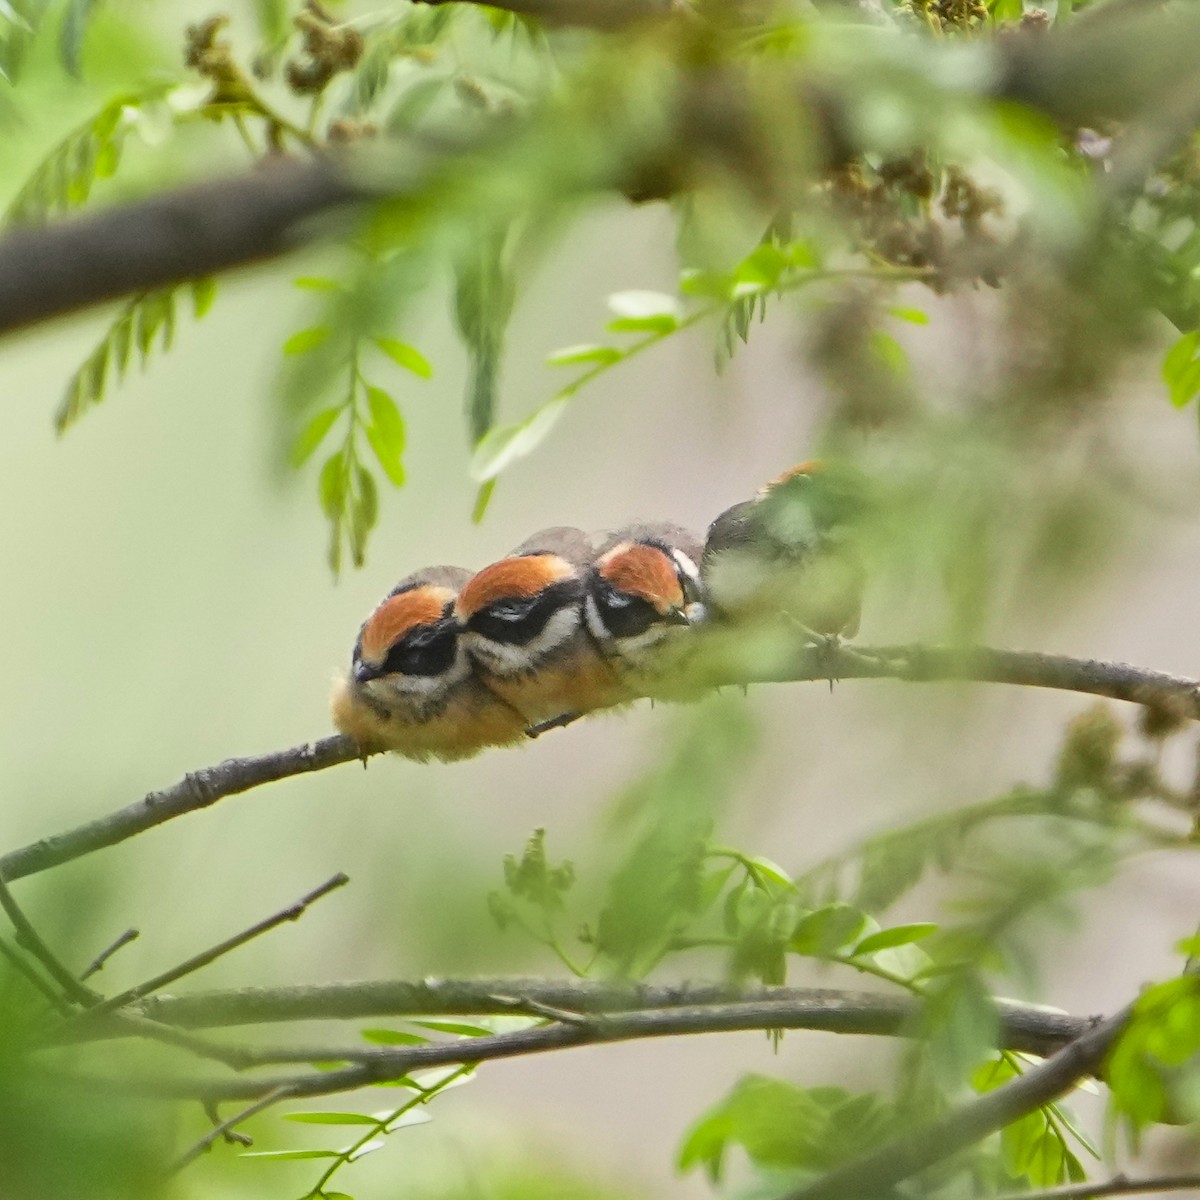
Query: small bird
(521, 621)
(643, 593)
(788, 552)
(411, 687)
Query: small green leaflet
(305, 340)
(330, 1118)
(505, 445)
(313, 434)
(898, 935)
(393, 1037)
(286, 1155)
(405, 356)
(644, 312)
(1181, 369)
(570, 356)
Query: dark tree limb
(876, 1173)
(1119, 1185)
(915, 664)
(586, 14)
(196, 230)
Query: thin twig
(196, 790)
(17, 959)
(292, 913)
(877, 1172)
(221, 1130)
(29, 939)
(1119, 1185)
(97, 963)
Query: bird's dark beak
(677, 616)
(364, 672)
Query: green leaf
(332, 486)
(773, 871)
(330, 1118)
(483, 497)
(313, 434)
(1186, 384)
(386, 455)
(1180, 356)
(639, 305)
(502, 447)
(570, 356)
(306, 340)
(290, 1155)
(316, 283)
(827, 930)
(889, 352)
(664, 323)
(393, 1037)
(406, 1118)
(914, 316)
(898, 935)
(204, 291)
(386, 417)
(760, 269)
(460, 1027)
(405, 356)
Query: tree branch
(587, 14)
(196, 790)
(1023, 1028)
(877, 1172)
(723, 665)
(1029, 1028)
(183, 234)
(1119, 1185)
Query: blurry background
(168, 604)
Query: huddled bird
(568, 624)
(411, 687)
(643, 595)
(789, 553)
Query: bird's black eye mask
(427, 650)
(623, 615)
(517, 620)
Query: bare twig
(851, 1013)
(194, 791)
(29, 939)
(292, 913)
(34, 979)
(224, 1128)
(891, 1163)
(1119, 1185)
(97, 963)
